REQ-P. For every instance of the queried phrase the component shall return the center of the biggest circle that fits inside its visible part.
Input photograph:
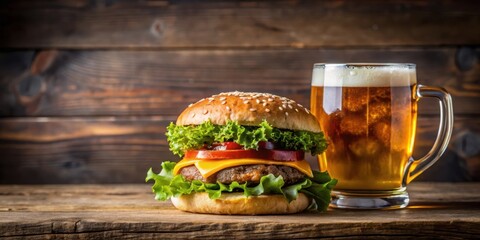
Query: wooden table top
(446, 210)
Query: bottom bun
(237, 204)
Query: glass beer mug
(368, 113)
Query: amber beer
(369, 117)
(368, 112)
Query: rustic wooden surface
(87, 86)
(437, 210)
(187, 24)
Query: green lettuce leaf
(183, 138)
(168, 185)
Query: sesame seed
(286, 114)
(267, 110)
(284, 106)
(211, 98)
(205, 111)
(223, 98)
(252, 109)
(270, 100)
(264, 104)
(290, 106)
(223, 102)
(189, 105)
(228, 108)
(280, 108)
(296, 109)
(246, 101)
(258, 101)
(193, 115)
(306, 110)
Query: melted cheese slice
(209, 167)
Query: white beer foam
(364, 76)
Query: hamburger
(244, 153)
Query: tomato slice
(267, 154)
(266, 145)
(226, 146)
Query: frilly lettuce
(183, 138)
(168, 185)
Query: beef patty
(246, 173)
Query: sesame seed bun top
(250, 109)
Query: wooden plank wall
(88, 86)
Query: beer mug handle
(416, 166)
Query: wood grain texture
(120, 150)
(81, 150)
(129, 211)
(112, 83)
(186, 24)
